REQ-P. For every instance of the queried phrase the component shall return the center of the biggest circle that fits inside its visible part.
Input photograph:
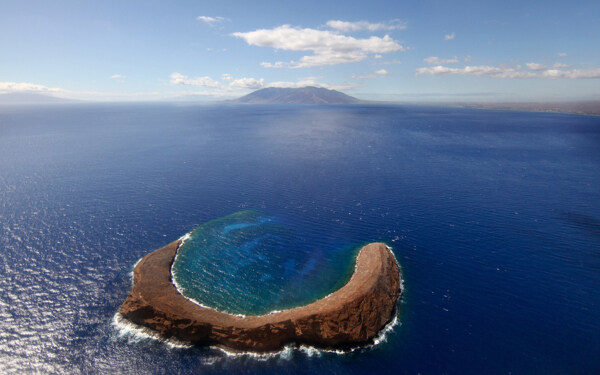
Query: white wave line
(132, 269)
(184, 238)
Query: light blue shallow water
(251, 264)
(493, 215)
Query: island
(349, 317)
(297, 95)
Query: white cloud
(561, 54)
(433, 60)
(248, 83)
(180, 79)
(278, 64)
(329, 58)
(8, 87)
(381, 72)
(537, 71)
(328, 48)
(12, 87)
(226, 77)
(536, 67)
(211, 20)
(449, 36)
(468, 58)
(117, 76)
(378, 56)
(560, 66)
(345, 26)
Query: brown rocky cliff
(351, 316)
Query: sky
(407, 51)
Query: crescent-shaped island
(351, 316)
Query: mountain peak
(301, 95)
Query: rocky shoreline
(351, 316)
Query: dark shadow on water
(588, 223)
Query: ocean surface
(494, 217)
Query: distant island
(301, 95)
(348, 317)
(319, 95)
(31, 98)
(581, 107)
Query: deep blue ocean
(494, 217)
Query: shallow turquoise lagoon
(250, 263)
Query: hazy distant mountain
(302, 95)
(18, 98)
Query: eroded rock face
(351, 316)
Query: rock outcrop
(351, 316)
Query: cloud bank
(534, 70)
(8, 87)
(231, 86)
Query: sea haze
(494, 217)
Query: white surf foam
(184, 238)
(134, 333)
(287, 352)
